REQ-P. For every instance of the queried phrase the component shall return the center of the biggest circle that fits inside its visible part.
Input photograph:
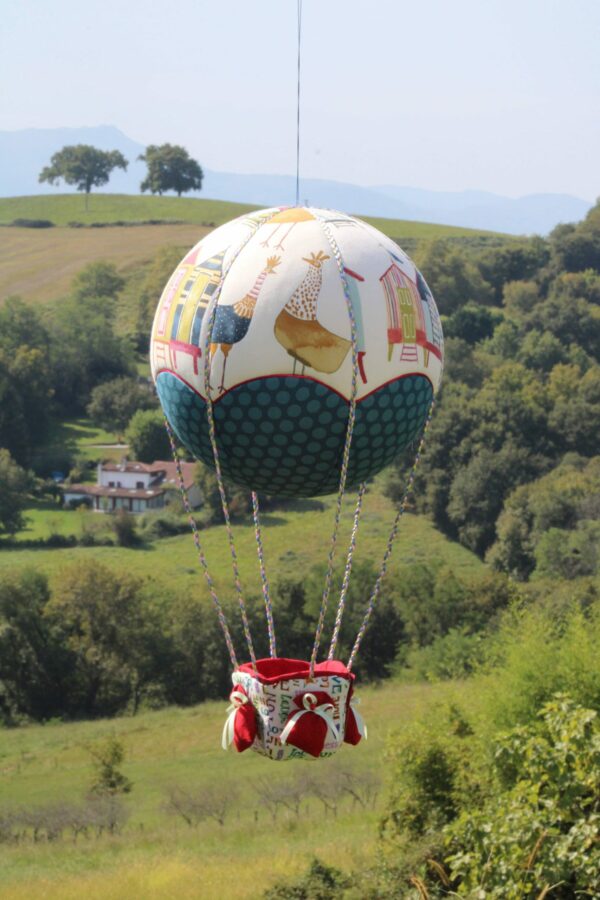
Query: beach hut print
(413, 320)
(403, 308)
(185, 303)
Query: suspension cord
(210, 321)
(299, 6)
(201, 556)
(346, 454)
(263, 576)
(347, 572)
(388, 550)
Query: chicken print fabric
(276, 289)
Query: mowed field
(161, 858)
(38, 264)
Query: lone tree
(84, 166)
(170, 168)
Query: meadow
(295, 539)
(157, 856)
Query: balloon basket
(279, 711)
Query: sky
(497, 95)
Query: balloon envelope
(287, 283)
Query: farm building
(133, 486)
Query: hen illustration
(299, 331)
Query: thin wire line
(201, 556)
(298, 107)
(263, 576)
(347, 572)
(209, 318)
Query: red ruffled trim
(274, 669)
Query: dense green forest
(494, 795)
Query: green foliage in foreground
(540, 831)
(496, 793)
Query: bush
(32, 223)
(540, 830)
(321, 882)
(125, 528)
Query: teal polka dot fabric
(285, 436)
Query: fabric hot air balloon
(298, 351)
(283, 316)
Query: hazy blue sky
(502, 95)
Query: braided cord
(263, 576)
(201, 556)
(213, 438)
(346, 454)
(347, 571)
(388, 550)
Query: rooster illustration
(231, 323)
(299, 331)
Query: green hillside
(54, 255)
(63, 209)
(159, 857)
(295, 540)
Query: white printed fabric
(274, 703)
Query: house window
(139, 485)
(111, 484)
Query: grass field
(62, 209)
(39, 264)
(156, 857)
(294, 541)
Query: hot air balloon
(298, 351)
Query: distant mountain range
(24, 153)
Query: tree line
(510, 468)
(99, 641)
(169, 168)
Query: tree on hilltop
(84, 166)
(170, 168)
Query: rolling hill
(39, 263)
(24, 153)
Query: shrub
(125, 528)
(32, 223)
(321, 882)
(108, 780)
(540, 831)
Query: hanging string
(388, 550)
(299, 4)
(346, 454)
(347, 572)
(210, 321)
(201, 556)
(263, 576)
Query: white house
(133, 486)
